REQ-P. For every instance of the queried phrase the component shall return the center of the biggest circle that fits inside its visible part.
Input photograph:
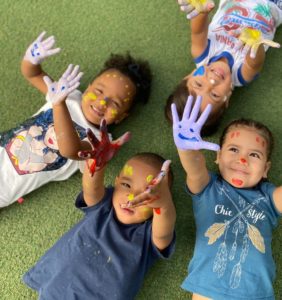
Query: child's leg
(199, 297)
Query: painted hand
(194, 7)
(251, 39)
(39, 49)
(151, 196)
(58, 91)
(186, 133)
(104, 150)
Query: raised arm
(96, 159)
(158, 196)
(186, 134)
(68, 139)
(35, 54)
(198, 13)
(254, 46)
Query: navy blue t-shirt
(99, 258)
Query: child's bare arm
(96, 160)
(194, 164)
(186, 134)
(35, 54)
(68, 140)
(93, 185)
(197, 11)
(277, 197)
(252, 43)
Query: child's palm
(194, 7)
(252, 39)
(40, 49)
(186, 133)
(58, 91)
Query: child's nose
(243, 160)
(103, 103)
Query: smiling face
(242, 159)
(213, 83)
(110, 96)
(133, 180)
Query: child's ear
(217, 157)
(267, 167)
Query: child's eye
(233, 149)
(125, 185)
(256, 155)
(115, 103)
(197, 84)
(98, 91)
(215, 96)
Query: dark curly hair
(179, 97)
(137, 70)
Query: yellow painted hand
(252, 39)
(194, 7)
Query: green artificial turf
(88, 31)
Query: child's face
(109, 96)
(242, 159)
(132, 180)
(213, 83)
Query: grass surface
(88, 31)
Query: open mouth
(97, 111)
(218, 72)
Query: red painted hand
(103, 150)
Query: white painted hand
(40, 49)
(58, 91)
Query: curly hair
(137, 70)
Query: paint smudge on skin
(147, 212)
(126, 99)
(103, 102)
(200, 71)
(114, 112)
(91, 96)
(243, 161)
(149, 178)
(157, 210)
(130, 197)
(237, 182)
(257, 139)
(128, 170)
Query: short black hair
(155, 160)
(137, 70)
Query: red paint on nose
(243, 161)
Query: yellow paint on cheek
(147, 212)
(114, 112)
(130, 197)
(90, 96)
(126, 100)
(128, 170)
(149, 178)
